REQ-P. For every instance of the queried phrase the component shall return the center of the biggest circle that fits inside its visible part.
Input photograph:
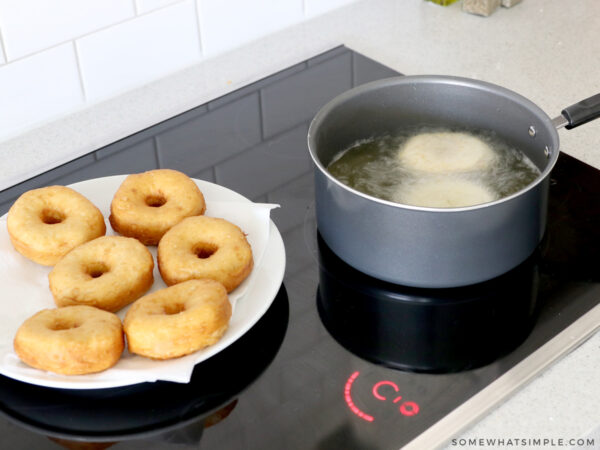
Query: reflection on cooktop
(172, 411)
(425, 330)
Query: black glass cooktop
(340, 360)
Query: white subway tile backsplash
(226, 24)
(138, 51)
(32, 25)
(63, 55)
(315, 7)
(143, 6)
(39, 87)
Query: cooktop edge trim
(506, 385)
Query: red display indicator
(384, 391)
(350, 402)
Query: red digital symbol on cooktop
(384, 391)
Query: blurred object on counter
(509, 3)
(81, 445)
(480, 7)
(443, 2)
(220, 415)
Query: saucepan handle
(579, 113)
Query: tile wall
(62, 56)
(231, 132)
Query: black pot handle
(581, 112)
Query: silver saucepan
(435, 247)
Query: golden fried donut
(73, 340)
(178, 320)
(109, 273)
(146, 205)
(205, 247)
(45, 224)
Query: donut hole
(173, 308)
(63, 324)
(51, 216)
(155, 200)
(204, 250)
(96, 269)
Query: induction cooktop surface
(340, 360)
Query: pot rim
(431, 79)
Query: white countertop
(548, 51)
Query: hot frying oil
(372, 166)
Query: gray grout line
(136, 10)
(3, 47)
(58, 44)
(79, 71)
(261, 114)
(97, 30)
(155, 151)
(279, 186)
(292, 180)
(280, 133)
(197, 9)
(37, 52)
(352, 70)
(275, 136)
(157, 154)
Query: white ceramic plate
(251, 300)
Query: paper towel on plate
(25, 291)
